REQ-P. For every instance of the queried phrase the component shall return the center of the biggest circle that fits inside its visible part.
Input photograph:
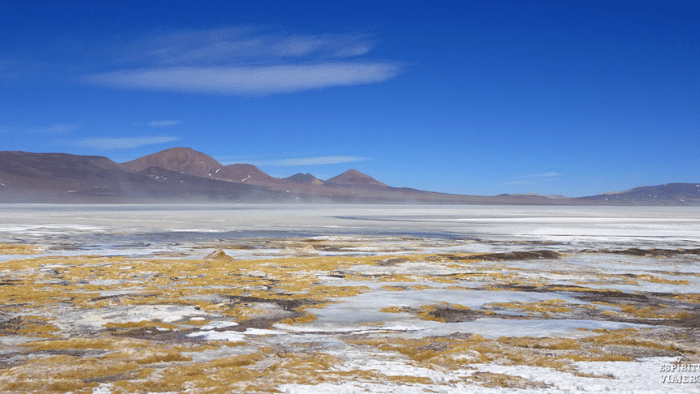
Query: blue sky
(472, 97)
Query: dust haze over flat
(480, 98)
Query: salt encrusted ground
(122, 299)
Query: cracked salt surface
(232, 336)
(629, 377)
(72, 319)
(361, 314)
(426, 230)
(398, 368)
(222, 352)
(486, 327)
(218, 324)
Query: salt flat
(336, 298)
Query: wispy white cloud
(163, 123)
(123, 143)
(532, 179)
(240, 46)
(307, 161)
(245, 61)
(545, 175)
(520, 182)
(55, 128)
(247, 81)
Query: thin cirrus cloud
(545, 175)
(308, 161)
(532, 179)
(240, 63)
(163, 123)
(520, 182)
(123, 143)
(56, 128)
(247, 81)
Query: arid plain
(349, 298)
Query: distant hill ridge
(183, 174)
(191, 162)
(185, 160)
(677, 192)
(304, 178)
(354, 177)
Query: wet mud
(520, 255)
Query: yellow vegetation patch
(555, 353)
(439, 279)
(490, 379)
(587, 289)
(42, 330)
(299, 320)
(599, 357)
(41, 285)
(425, 314)
(84, 343)
(6, 248)
(60, 373)
(396, 278)
(542, 343)
(495, 275)
(650, 312)
(431, 352)
(656, 279)
(149, 356)
(393, 309)
(543, 307)
(626, 337)
(693, 298)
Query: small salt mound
(218, 254)
(307, 250)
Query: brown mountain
(307, 179)
(182, 174)
(189, 161)
(354, 177)
(184, 160)
(245, 173)
(61, 177)
(666, 194)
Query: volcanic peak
(304, 178)
(185, 160)
(354, 177)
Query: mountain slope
(193, 176)
(354, 177)
(307, 179)
(58, 170)
(185, 160)
(667, 194)
(61, 177)
(189, 161)
(247, 173)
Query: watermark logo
(680, 372)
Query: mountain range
(183, 174)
